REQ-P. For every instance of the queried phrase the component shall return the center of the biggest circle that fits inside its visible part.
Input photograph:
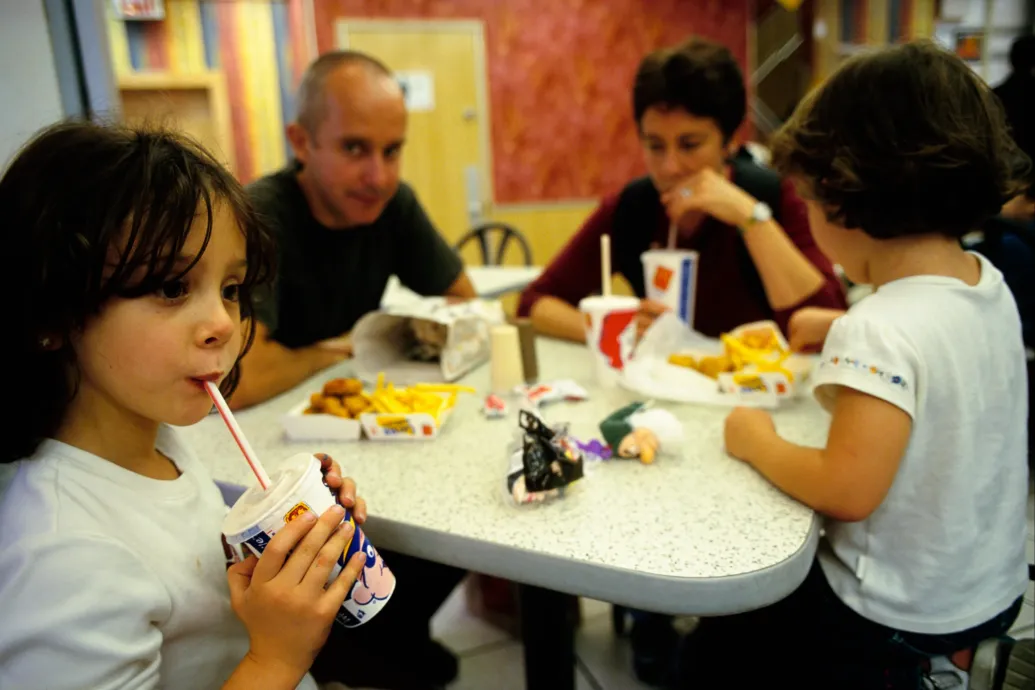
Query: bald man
(344, 223)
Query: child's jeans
(814, 641)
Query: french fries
(344, 398)
(757, 351)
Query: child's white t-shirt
(945, 550)
(109, 579)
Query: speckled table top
(696, 532)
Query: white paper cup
(670, 277)
(258, 515)
(505, 370)
(610, 334)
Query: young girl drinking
(923, 479)
(130, 260)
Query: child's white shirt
(945, 549)
(111, 580)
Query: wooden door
(444, 157)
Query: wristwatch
(759, 214)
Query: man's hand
(462, 289)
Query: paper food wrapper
(650, 373)
(384, 341)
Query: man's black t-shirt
(327, 279)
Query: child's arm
(849, 478)
(255, 674)
(808, 327)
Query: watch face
(762, 212)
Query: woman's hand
(709, 192)
(649, 311)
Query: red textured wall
(560, 73)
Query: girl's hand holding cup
(284, 600)
(342, 487)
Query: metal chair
(493, 252)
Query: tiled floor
(490, 658)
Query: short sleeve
(869, 357)
(426, 264)
(77, 614)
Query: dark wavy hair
(74, 193)
(903, 141)
(699, 76)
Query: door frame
(476, 29)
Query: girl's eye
(173, 290)
(232, 293)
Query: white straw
(605, 265)
(672, 228)
(235, 431)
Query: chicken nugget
(333, 406)
(316, 401)
(356, 405)
(342, 387)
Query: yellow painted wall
(547, 227)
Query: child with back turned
(923, 479)
(130, 261)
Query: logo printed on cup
(662, 277)
(610, 333)
(298, 511)
(670, 277)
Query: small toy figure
(544, 464)
(641, 431)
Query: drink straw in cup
(235, 431)
(673, 227)
(605, 265)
